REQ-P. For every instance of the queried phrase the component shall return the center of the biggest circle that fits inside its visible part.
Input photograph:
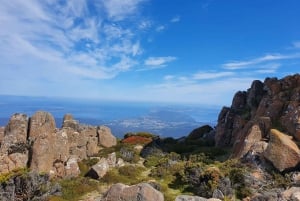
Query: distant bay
(168, 120)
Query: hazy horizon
(122, 117)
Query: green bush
(131, 171)
(128, 174)
(16, 172)
(113, 176)
(152, 161)
(73, 189)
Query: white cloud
(269, 57)
(160, 28)
(158, 61)
(296, 44)
(175, 19)
(66, 37)
(211, 75)
(118, 10)
(169, 77)
(268, 68)
(145, 24)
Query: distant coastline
(122, 117)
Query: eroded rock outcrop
(139, 192)
(14, 146)
(274, 103)
(82, 139)
(50, 148)
(37, 144)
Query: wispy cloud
(145, 24)
(160, 28)
(296, 44)
(268, 68)
(169, 77)
(206, 4)
(211, 75)
(118, 10)
(67, 36)
(158, 61)
(175, 19)
(267, 58)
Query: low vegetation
(183, 168)
(73, 189)
(128, 174)
(16, 172)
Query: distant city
(122, 117)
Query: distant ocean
(115, 114)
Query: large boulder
(99, 169)
(282, 151)
(139, 192)
(105, 137)
(251, 137)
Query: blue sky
(181, 51)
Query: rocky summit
(246, 125)
(252, 154)
(37, 144)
